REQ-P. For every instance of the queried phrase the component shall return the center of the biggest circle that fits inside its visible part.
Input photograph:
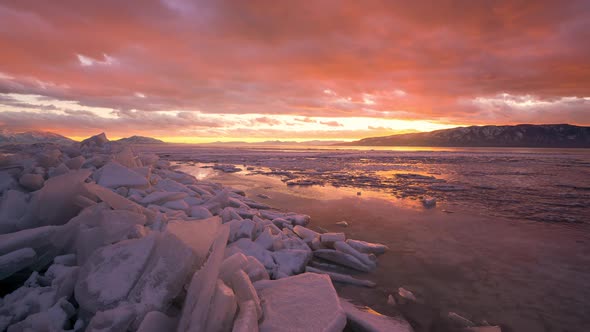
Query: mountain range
(522, 135)
(8, 136)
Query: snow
(328, 239)
(291, 261)
(12, 207)
(249, 248)
(156, 321)
(306, 302)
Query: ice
(255, 270)
(16, 261)
(148, 159)
(113, 175)
(228, 214)
(117, 319)
(7, 181)
(156, 321)
(406, 294)
(75, 163)
(249, 248)
(63, 279)
(173, 186)
(343, 278)
(299, 219)
(265, 239)
(342, 259)
(305, 233)
(66, 260)
(159, 197)
(291, 261)
(197, 234)
(459, 321)
(347, 249)
(247, 319)
(367, 247)
(217, 202)
(31, 182)
(244, 290)
(328, 239)
(127, 158)
(483, 329)
(56, 198)
(230, 265)
(429, 202)
(176, 205)
(114, 200)
(366, 319)
(96, 140)
(306, 302)
(54, 319)
(111, 272)
(202, 286)
(59, 170)
(222, 310)
(12, 207)
(240, 229)
(200, 212)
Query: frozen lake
(514, 251)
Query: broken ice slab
(31, 182)
(200, 212)
(55, 318)
(222, 310)
(111, 272)
(202, 286)
(240, 229)
(366, 319)
(343, 278)
(249, 248)
(367, 247)
(247, 319)
(306, 302)
(342, 259)
(156, 321)
(305, 233)
(120, 318)
(244, 290)
(230, 265)
(13, 206)
(15, 261)
(328, 239)
(255, 270)
(347, 249)
(160, 197)
(291, 261)
(113, 175)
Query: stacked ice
(103, 239)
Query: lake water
(508, 242)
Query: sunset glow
(204, 71)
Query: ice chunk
(202, 286)
(156, 321)
(116, 201)
(16, 261)
(329, 238)
(306, 302)
(291, 261)
(265, 239)
(429, 202)
(113, 175)
(127, 158)
(406, 294)
(249, 248)
(299, 219)
(459, 321)
(367, 247)
(255, 270)
(342, 259)
(173, 186)
(56, 198)
(76, 162)
(240, 229)
(12, 207)
(216, 203)
(66, 260)
(59, 170)
(222, 310)
(366, 319)
(245, 291)
(54, 319)
(176, 205)
(63, 279)
(343, 278)
(31, 182)
(229, 214)
(230, 265)
(148, 158)
(159, 197)
(347, 249)
(111, 272)
(116, 319)
(200, 212)
(7, 181)
(247, 320)
(305, 233)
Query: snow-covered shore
(102, 239)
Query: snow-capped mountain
(29, 137)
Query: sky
(216, 70)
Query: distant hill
(277, 142)
(8, 136)
(139, 140)
(523, 135)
